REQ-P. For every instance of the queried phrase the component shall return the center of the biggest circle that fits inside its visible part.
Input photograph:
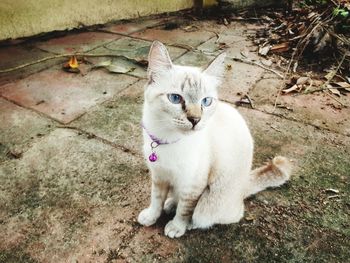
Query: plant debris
(121, 66)
(315, 35)
(72, 65)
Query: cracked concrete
(72, 184)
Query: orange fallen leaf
(72, 65)
(73, 62)
(282, 47)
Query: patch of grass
(3, 152)
(267, 147)
(15, 255)
(298, 222)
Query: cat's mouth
(188, 127)
(192, 129)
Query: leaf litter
(313, 37)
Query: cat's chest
(181, 156)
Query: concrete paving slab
(19, 128)
(65, 199)
(194, 59)
(176, 36)
(137, 49)
(239, 80)
(13, 56)
(134, 50)
(224, 43)
(65, 96)
(118, 120)
(128, 27)
(72, 43)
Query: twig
(333, 196)
(274, 128)
(285, 75)
(216, 35)
(321, 89)
(188, 47)
(335, 3)
(259, 65)
(55, 57)
(250, 101)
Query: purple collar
(155, 143)
(154, 138)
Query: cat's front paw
(147, 217)
(175, 229)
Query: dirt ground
(73, 178)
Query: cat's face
(181, 98)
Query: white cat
(199, 150)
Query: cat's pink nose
(194, 121)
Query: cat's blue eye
(174, 98)
(206, 102)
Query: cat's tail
(275, 173)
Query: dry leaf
(344, 85)
(245, 53)
(249, 217)
(282, 47)
(104, 63)
(323, 43)
(117, 68)
(303, 80)
(225, 22)
(295, 66)
(264, 50)
(291, 89)
(116, 65)
(267, 62)
(318, 83)
(190, 28)
(332, 190)
(334, 90)
(222, 45)
(142, 62)
(329, 75)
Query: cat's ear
(158, 60)
(217, 67)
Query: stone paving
(73, 178)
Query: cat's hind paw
(170, 206)
(174, 229)
(147, 217)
